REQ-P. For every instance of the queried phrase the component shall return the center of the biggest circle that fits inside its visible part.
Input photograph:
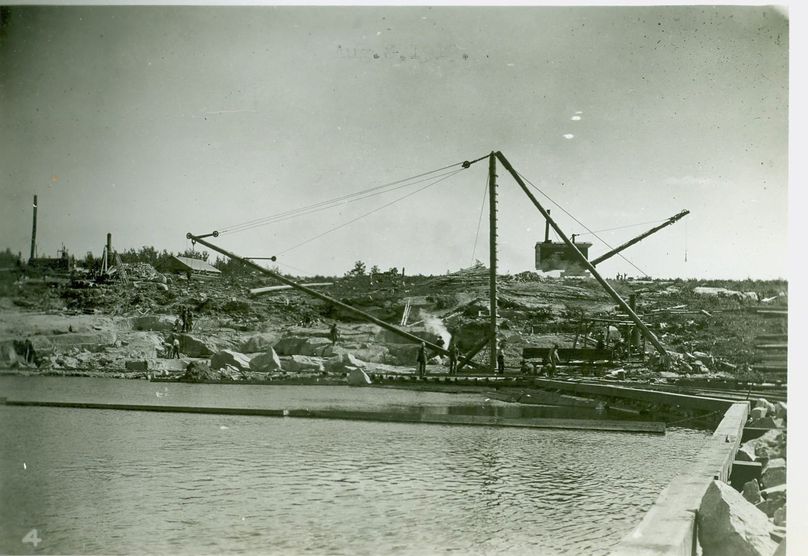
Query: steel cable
(330, 203)
(444, 177)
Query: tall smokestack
(547, 230)
(109, 248)
(33, 234)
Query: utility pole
(33, 234)
(492, 207)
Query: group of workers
(185, 320)
(182, 324)
(454, 354)
(548, 367)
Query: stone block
(195, 347)
(770, 444)
(751, 492)
(774, 473)
(743, 472)
(137, 365)
(758, 412)
(168, 365)
(372, 353)
(199, 371)
(60, 343)
(765, 404)
(767, 422)
(746, 452)
(301, 363)
(266, 362)
(230, 358)
(258, 343)
(780, 516)
(161, 323)
(231, 372)
(768, 507)
(344, 363)
(403, 354)
(314, 346)
(332, 350)
(358, 377)
(728, 525)
(774, 492)
(289, 345)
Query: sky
(150, 122)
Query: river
(98, 481)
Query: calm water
(95, 481)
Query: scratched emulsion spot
(55, 179)
(568, 136)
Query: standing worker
(601, 344)
(175, 348)
(453, 353)
(501, 359)
(190, 319)
(553, 359)
(29, 351)
(421, 359)
(334, 333)
(184, 318)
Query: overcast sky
(151, 122)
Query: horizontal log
(394, 416)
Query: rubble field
(125, 327)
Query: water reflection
(133, 482)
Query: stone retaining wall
(669, 527)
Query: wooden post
(33, 234)
(492, 285)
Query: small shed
(194, 266)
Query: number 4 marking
(32, 537)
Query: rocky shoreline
(751, 517)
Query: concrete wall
(669, 527)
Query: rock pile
(752, 521)
(728, 525)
